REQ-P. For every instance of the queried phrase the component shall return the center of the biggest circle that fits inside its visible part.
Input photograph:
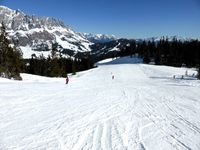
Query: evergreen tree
(145, 52)
(55, 68)
(10, 57)
(54, 50)
(146, 58)
(73, 68)
(198, 75)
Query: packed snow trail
(143, 108)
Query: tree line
(165, 52)
(55, 66)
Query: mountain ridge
(37, 33)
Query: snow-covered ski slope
(143, 108)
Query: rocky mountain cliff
(35, 34)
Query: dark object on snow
(67, 80)
(113, 77)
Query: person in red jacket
(67, 79)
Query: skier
(186, 73)
(67, 79)
(113, 77)
(182, 77)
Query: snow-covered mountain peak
(4, 8)
(35, 33)
(98, 38)
(17, 20)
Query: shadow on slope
(120, 60)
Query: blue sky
(123, 18)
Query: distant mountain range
(35, 35)
(98, 38)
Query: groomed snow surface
(142, 108)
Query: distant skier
(67, 79)
(182, 77)
(186, 73)
(113, 77)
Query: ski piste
(143, 107)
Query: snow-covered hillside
(35, 33)
(142, 108)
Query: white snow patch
(28, 52)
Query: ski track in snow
(143, 108)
